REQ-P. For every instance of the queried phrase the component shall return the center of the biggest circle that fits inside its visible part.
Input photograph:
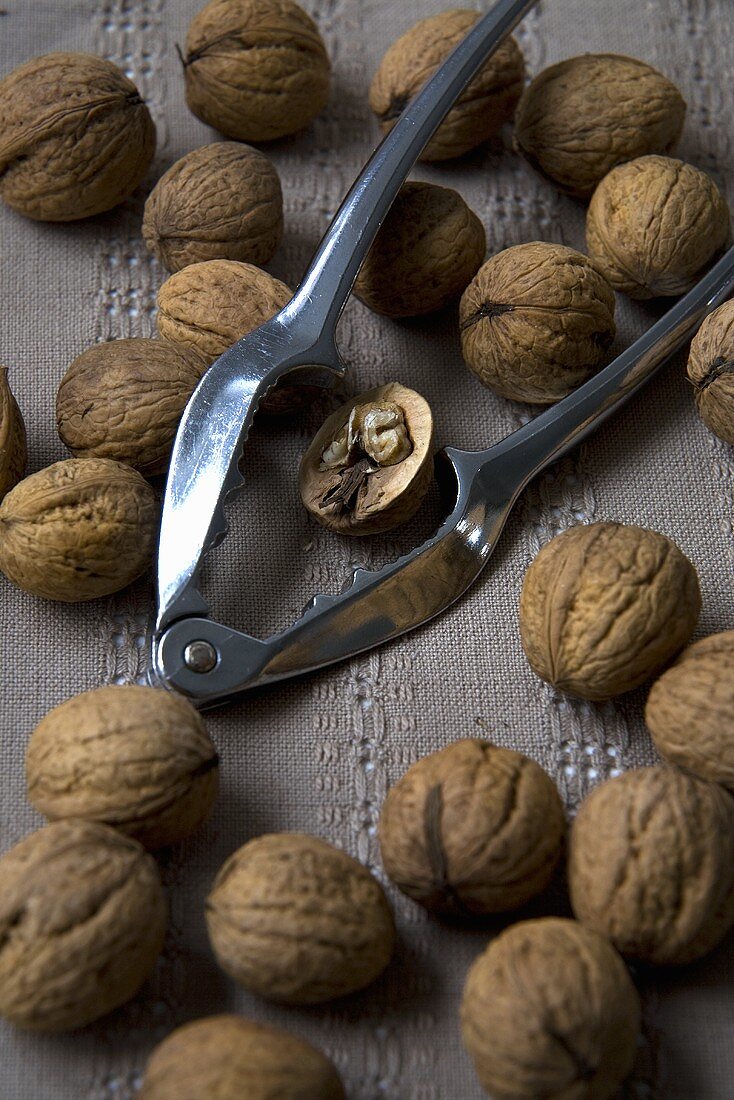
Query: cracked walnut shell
(255, 70)
(604, 607)
(481, 110)
(710, 368)
(76, 137)
(537, 321)
(579, 118)
(82, 920)
(296, 920)
(472, 829)
(651, 864)
(549, 1010)
(13, 451)
(133, 757)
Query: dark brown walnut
(549, 1010)
(129, 756)
(651, 864)
(76, 137)
(222, 201)
(426, 253)
(711, 370)
(579, 118)
(537, 321)
(82, 920)
(230, 1058)
(604, 607)
(79, 529)
(296, 920)
(481, 110)
(13, 451)
(255, 69)
(124, 400)
(472, 829)
(655, 225)
(371, 462)
(690, 710)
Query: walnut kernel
(710, 368)
(13, 450)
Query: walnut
(255, 69)
(129, 756)
(230, 1058)
(550, 1010)
(537, 321)
(482, 109)
(76, 140)
(79, 529)
(124, 399)
(371, 463)
(223, 201)
(604, 607)
(426, 253)
(298, 921)
(13, 451)
(581, 117)
(651, 864)
(710, 368)
(82, 920)
(472, 829)
(654, 226)
(690, 710)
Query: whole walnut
(82, 528)
(223, 201)
(579, 118)
(481, 110)
(13, 450)
(711, 370)
(537, 321)
(472, 829)
(549, 1010)
(651, 864)
(255, 69)
(124, 399)
(690, 710)
(230, 1058)
(82, 920)
(76, 137)
(604, 607)
(655, 225)
(296, 920)
(426, 253)
(130, 756)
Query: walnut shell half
(711, 370)
(13, 450)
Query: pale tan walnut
(651, 864)
(82, 528)
(690, 710)
(255, 69)
(296, 920)
(711, 370)
(13, 450)
(133, 757)
(124, 400)
(481, 110)
(604, 607)
(472, 829)
(370, 464)
(82, 920)
(231, 1058)
(549, 1010)
(427, 251)
(76, 137)
(537, 321)
(655, 225)
(223, 201)
(579, 118)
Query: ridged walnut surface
(13, 450)
(549, 1010)
(581, 117)
(651, 864)
(711, 370)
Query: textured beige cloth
(319, 755)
